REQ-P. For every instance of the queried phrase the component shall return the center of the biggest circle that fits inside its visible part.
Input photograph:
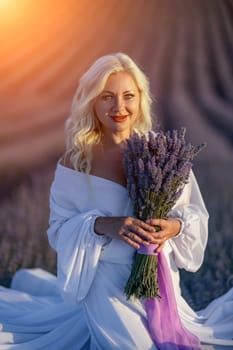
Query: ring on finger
(128, 234)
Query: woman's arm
(189, 246)
(78, 251)
(72, 236)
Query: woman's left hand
(168, 228)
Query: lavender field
(24, 214)
(23, 240)
(186, 50)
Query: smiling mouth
(119, 118)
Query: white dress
(84, 307)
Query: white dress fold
(84, 307)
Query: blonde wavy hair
(82, 127)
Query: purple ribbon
(164, 323)
(149, 250)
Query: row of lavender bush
(23, 240)
(24, 217)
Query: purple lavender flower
(157, 168)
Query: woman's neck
(113, 141)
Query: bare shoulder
(65, 160)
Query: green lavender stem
(143, 281)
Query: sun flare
(5, 3)
(10, 7)
(13, 12)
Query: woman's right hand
(128, 229)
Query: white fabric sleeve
(189, 245)
(78, 248)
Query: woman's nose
(118, 105)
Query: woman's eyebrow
(111, 92)
(127, 91)
(107, 91)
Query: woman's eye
(129, 96)
(106, 97)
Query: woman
(95, 235)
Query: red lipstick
(119, 118)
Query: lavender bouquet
(157, 168)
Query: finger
(161, 234)
(160, 247)
(158, 241)
(157, 222)
(143, 225)
(134, 237)
(141, 234)
(160, 237)
(131, 242)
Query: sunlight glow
(23, 20)
(10, 8)
(5, 3)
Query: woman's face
(118, 105)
